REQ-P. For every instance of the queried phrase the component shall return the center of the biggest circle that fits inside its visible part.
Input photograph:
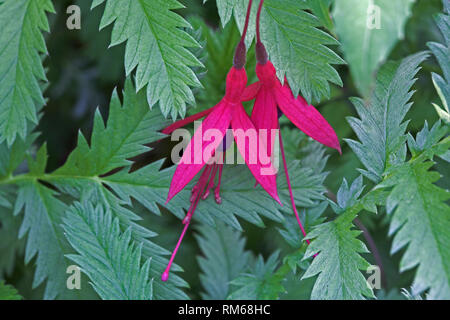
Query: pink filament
(290, 188)
(197, 192)
(217, 190)
(211, 181)
(165, 275)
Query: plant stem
(258, 17)
(247, 19)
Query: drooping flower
(272, 99)
(201, 150)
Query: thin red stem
(258, 17)
(187, 220)
(290, 188)
(165, 275)
(247, 20)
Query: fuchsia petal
(241, 120)
(185, 121)
(265, 115)
(193, 158)
(306, 117)
(251, 91)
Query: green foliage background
(84, 175)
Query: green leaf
(320, 8)
(260, 283)
(347, 196)
(45, 240)
(10, 246)
(8, 292)
(296, 46)
(11, 157)
(157, 48)
(369, 34)
(309, 218)
(428, 141)
(94, 191)
(420, 221)
(22, 43)
(124, 137)
(442, 54)
(381, 127)
(338, 263)
(112, 261)
(224, 259)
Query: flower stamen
(211, 182)
(217, 190)
(197, 191)
(290, 188)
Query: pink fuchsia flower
(229, 112)
(272, 99)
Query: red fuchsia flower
(229, 112)
(272, 99)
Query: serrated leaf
(45, 239)
(223, 259)
(89, 190)
(338, 262)
(420, 221)
(11, 157)
(309, 217)
(428, 141)
(8, 292)
(260, 283)
(369, 34)
(157, 48)
(109, 257)
(381, 127)
(347, 196)
(320, 8)
(21, 70)
(442, 54)
(123, 137)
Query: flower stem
(290, 188)
(240, 55)
(261, 53)
(247, 20)
(258, 17)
